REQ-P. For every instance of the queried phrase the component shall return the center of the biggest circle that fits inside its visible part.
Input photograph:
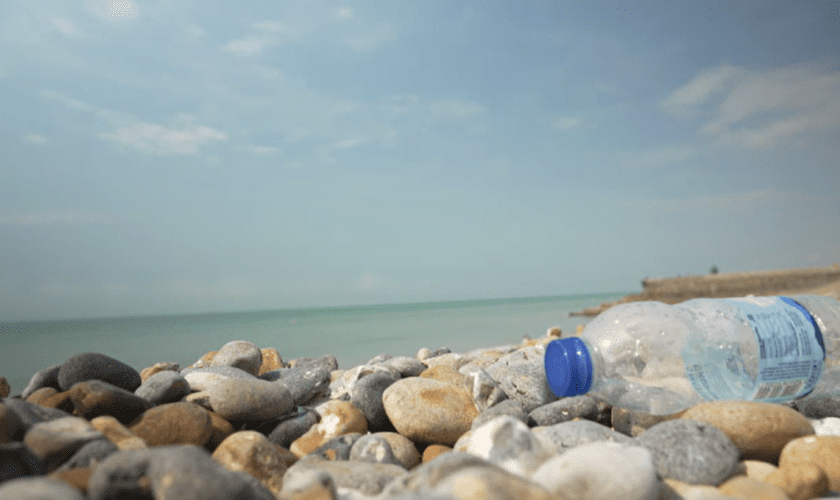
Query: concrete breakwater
(812, 280)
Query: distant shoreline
(812, 280)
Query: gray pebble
(254, 399)
(691, 451)
(16, 460)
(90, 454)
(367, 397)
(567, 435)
(564, 410)
(48, 377)
(293, 427)
(55, 441)
(201, 378)
(365, 477)
(326, 361)
(510, 407)
(304, 384)
(94, 398)
(379, 358)
(337, 448)
(407, 367)
(164, 387)
(484, 390)
(239, 354)
(31, 414)
(521, 374)
(822, 407)
(178, 472)
(39, 488)
(95, 366)
(374, 449)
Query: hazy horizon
(161, 158)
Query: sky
(167, 157)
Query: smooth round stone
(403, 448)
(691, 451)
(220, 429)
(601, 471)
(759, 430)
(365, 477)
(271, 360)
(510, 444)
(801, 481)
(94, 398)
(173, 423)
(312, 484)
(179, 472)
(163, 387)
(823, 451)
(425, 410)
(484, 390)
(16, 460)
(822, 407)
(569, 435)
(509, 407)
(405, 366)
(240, 354)
(745, 488)
(564, 410)
(446, 374)
(58, 400)
(293, 427)
(757, 469)
(57, 440)
(337, 448)
(117, 433)
(95, 366)
(38, 488)
(433, 451)
(374, 449)
(678, 490)
(202, 362)
(162, 366)
(202, 378)
(634, 423)
(521, 374)
(48, 377)
(304, 384)
(31, 414)
(243, 399)
(326, 361)
(11, 427)
(252, 452)
(41, 395)
(337, 418)
(367, 396)
(91, 454)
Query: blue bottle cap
(568, 367)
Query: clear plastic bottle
(660, 359)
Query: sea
(353, 334)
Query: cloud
(268, 34)
(567, 123)
(115, 10)
(759, 109)
(350, 143)
(35, 139)
(158, 139)
(50, 217)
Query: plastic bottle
(660, 359)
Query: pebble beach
(243, 423)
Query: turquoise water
(352, 334)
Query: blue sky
(166, 157)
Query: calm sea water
(352, 334)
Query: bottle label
(790, 357)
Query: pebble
(601, 471)
(17, 460)
(829, 426)
(521, 374)
(31, 414)
(309, 485)
(800, 481)
(239, 354)
(175, 472)
(759, 430)
(292, 427)
(433, 451)
(50, 398)
(303, 384)
(678, 490)
(634, 423)
(337, 418)
(163, 387)
(366, 395)
(405, 366)
(147, 372)
(95, 366)
(91, 454)
(564, 410)
(691, 451)
(326, 361)
(39, 488)
(252, 452)
(374, 449)
(337, 448)
(202, 378)
(509, 407)
(822, 407)
(5, 388)
(93, 398)
(510, 444)
(271, 360)
(117, 433)
(219, 430)
(757, 469)
(429, 411)
(745, 488)
(56, 441)
(367, 478)
(248, 399)
(404, 450)
(11, 427)
(173, 423)
(568, 435)
(48, 377)
(446, 374)
(823, 451)
(485, 391)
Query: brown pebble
(444, 373)
(271, 360)
(252, 452)
(38, 396)
(117, 433)
(746, 488)
(757, 469)
(801, 481)
(5, 388)
(404, 449)
(633, 423)
(337, 418)
(60, 400)
(759, 430)
(157, 368)
(77, 477)
(173, 423)
(221, 429)
(823, 451)
(433, 451)
(11, 426)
